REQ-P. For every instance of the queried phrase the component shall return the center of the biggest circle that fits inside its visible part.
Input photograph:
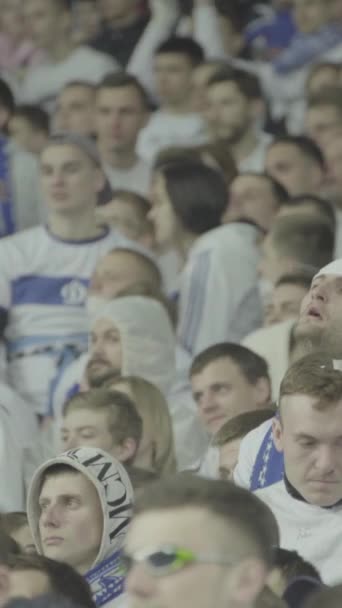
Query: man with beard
(235, 107)
(317, 329)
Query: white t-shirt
(43, 288)
(249, 449)
(42, 83)
(165, 130)
(219, 295)
(315, 533)
(255, 162)
(135, 179)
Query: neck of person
(124, 158)
(74, 227)
(60, 49)
(184, 242)
(245, 146)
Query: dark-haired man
(174, 123)
(227, 379)
(235, 107)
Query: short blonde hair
(151, 405)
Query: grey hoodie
(116, 496)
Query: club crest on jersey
(74, 293)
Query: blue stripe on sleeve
(195, 300)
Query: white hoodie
(116, 496)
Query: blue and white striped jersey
(43, 288)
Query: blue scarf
(7, 224)
(269, 464)
(106, 580)
(306, 48)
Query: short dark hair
(241, 425)
(302, 279)
(247, 83)
(293, 565)
(238, 507)
(64, 581)
(38, 118)
(182, 45)
(304, 144)
(121, 79)
(308, 240)
(252, 366)
(323, 206)
(6, 97)
(198, 194)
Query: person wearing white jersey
(175, 123)
(121, 113)
(318, 328)
(45, 271)
(50, 24)
(307, 502)
(235, 108)
(79, 507)
(218, 297)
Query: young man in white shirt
(45, 271)
(121, 113)
(235, 106)
(175, 123)
(50, 26)
(308, 431)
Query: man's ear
(246, 582)
(127, 449)
(4, 584)
(277, 432)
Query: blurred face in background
(120, 115)
(75, 110)
(173, 75)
